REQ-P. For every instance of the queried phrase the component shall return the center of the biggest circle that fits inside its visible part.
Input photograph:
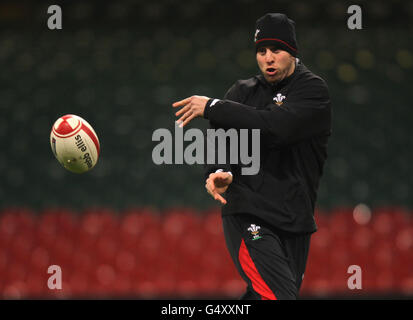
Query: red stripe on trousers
(252, 273)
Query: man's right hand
(217, 183)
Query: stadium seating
(181, 253)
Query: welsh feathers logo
(279, 99)
(254, 231)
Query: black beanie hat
(278, 30)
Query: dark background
(120, 65)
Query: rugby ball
(74, 143)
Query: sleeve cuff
(222, 170)
(208, 106)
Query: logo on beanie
(279, 99)
(256, 34)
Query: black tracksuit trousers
(271, 262)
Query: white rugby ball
(74, 143)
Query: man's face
(275, 64)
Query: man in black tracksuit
(268, 218)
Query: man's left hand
(192, 107)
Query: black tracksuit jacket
(293, 147)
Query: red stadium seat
(322, 219)
(212, 222)
(68, 222)
(214, 261)
(401, 272)
(83, 261)
(338, 279)
(16, 272)
(122, 287)
(36, 284)
(149, 246)
(155, 280)
(319, 287)
(361, 244)
(125, 262)
(403, 248)
(185, 288)
(106, 249)
(39, 259)
(48, 227)
(137, 224)
(208, 283)
(406, 285)
(341, 225)
(148, 288)
(8, 224)
(317, 267)
(321, 240)
(385, 282)
(105, 275)
(176, 223)
(63, 248)
(404, 240)
(382, 224)
(179, 220)
(362, 239)
(212, 231)
(97, 221)
(78, 284)
(383, 255)
(191, 248)
(340, 259)
(400, 217)
(182, 236)
(86, 241)
(4, 261)
(14, 290)
(233, 287)
(21, 247)
(15, 222)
